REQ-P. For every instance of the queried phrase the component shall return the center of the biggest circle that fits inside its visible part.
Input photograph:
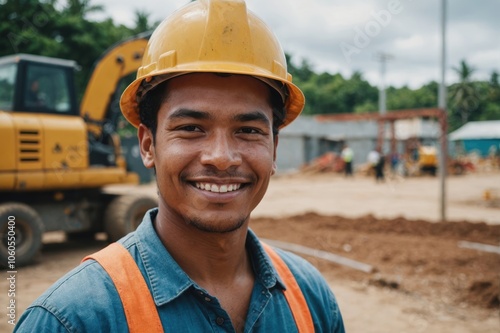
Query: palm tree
(81, 8)
(464, 94)
(142, 21)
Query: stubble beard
(226, 227)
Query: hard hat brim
(294, 103)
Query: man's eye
(249, 130)
(190, 128)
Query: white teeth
(218, 189)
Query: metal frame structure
(391, 117)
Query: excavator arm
(117, 62)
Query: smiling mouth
(218, 188)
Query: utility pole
(383, 58)
(382, 108)
(442, 105)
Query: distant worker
(347, 155)
(379, 169)
(394, 162)
(494, 155)
(373, 159)
(33, 95)
(209, 101)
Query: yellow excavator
(58, 156)
(427, 159)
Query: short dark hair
(150, 105)
(151, 102)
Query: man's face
(214, 151)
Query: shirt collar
(166, 277)
(262, 265)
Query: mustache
(212, 172)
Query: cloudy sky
(344, 36)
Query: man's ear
(146, 145)
(275, 167)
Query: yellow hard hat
(218, 36)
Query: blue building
(481, 137)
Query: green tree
(27, 27)
(427, 95)
(142, 22)
(399, 99)
(81, 8)
(354, 91)
(301, 73)
(491, 110)
(464, 95)
(326, 93)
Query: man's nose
(221, 151)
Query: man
(33, 95)
(373, 160)
(379, 169)
(347, 155)
(208, 103)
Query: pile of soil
(416, 257)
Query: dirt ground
(417, 259)
(423, 281)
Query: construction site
(394, 264)
(400, 215)
(400, 268)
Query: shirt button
(207, 299)
(219, 321)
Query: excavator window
(8, 74)
(46, 89)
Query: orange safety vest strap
(138, 304)
(293, 294)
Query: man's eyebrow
(253, 116)
(188, 113)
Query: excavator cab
(42, 85)
(59, 156)
(38, 84)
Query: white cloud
(412, 43)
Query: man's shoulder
(86, 283)
(74, 283)
(76, 301)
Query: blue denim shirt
(85, 299)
